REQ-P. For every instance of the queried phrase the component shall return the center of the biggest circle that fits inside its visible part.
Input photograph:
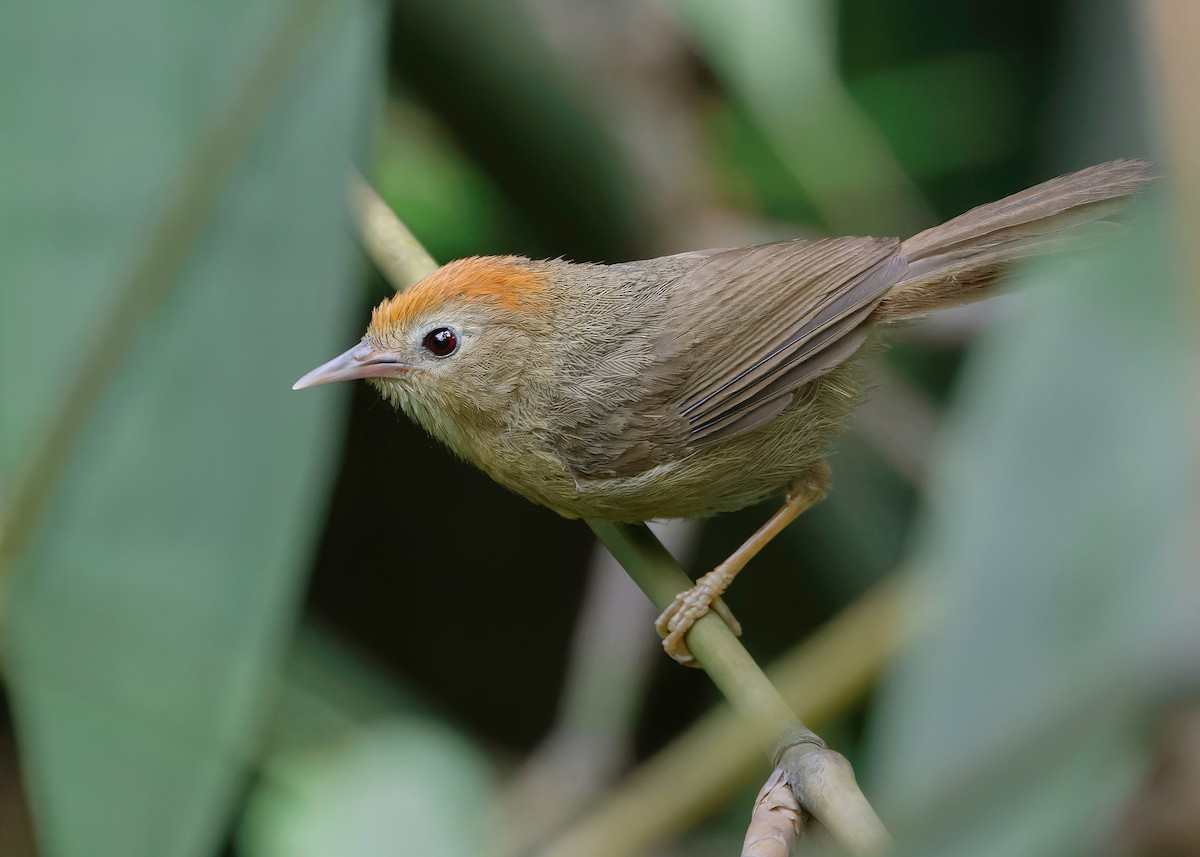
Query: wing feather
(786, 310)
(717, 344)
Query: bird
(693, 384)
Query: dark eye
(441, 342)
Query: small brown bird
(694, 384)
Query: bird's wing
(751, 326)
(729, 336)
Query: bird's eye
(440, 342)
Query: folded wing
(755, 325)
(739, 333)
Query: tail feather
(956, 262)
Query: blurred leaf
(355, 765)
(438, 192)
(747, 170)
(778, 59)
(485, 68)
(404, 787)
(145, 617)
(867, 497)
(1058, 579)
(967, 102)
(327, 691)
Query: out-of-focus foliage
(420, 170)
(145, 618)
(778, 58)
(1057, 580)
(399, 787)
(1057, 576)
(148, 660)
(356, 764)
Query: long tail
(956, 262)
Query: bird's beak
(362, 361)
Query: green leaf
(405, 786)
(178, 170)
(778, 60)
(328, 690)
(1057, 569)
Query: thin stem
(822, 778)
(400, 256)
(716, 649)
(776, 821)
(825, 674)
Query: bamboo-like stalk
(395, 251)
(821, 676)
(1175, 29)
(821, 778)
(776, 821)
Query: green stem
(716, 649)
(716, 756)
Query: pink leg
(688, 606)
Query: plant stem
(716, 649)
(820, 677)
(822, 778)
(399, 255)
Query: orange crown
(511, 282)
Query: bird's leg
(688, 606)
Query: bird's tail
(956, 262)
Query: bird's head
(456, 345)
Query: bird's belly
(697, 486)
(721, 477)
(708, 481)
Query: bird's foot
(690, 605)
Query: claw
(674, 622)
(688, 606)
